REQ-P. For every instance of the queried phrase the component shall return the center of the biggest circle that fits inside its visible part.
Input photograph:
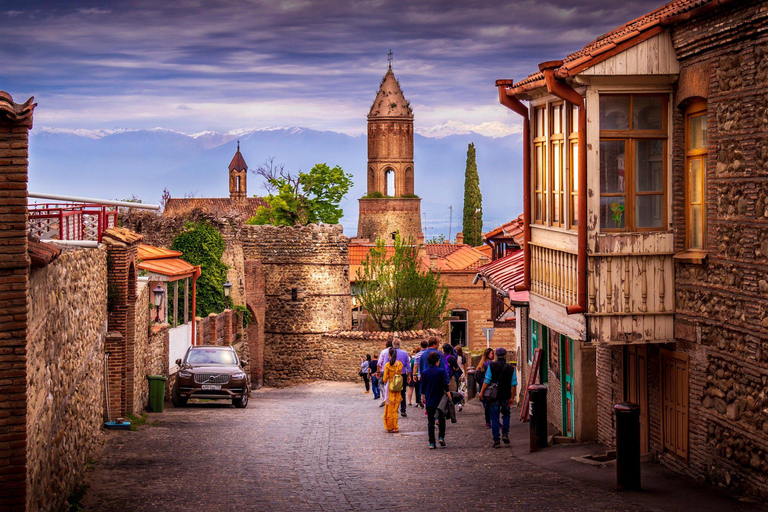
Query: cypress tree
(473, 200)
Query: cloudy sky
(196, 65)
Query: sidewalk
(660, 485)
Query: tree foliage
(202, 244)
(395, 291)
(312, 196)
(473, 201)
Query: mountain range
(124, 163)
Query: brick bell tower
(238, 174)
(390, 204)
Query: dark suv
(211, 372)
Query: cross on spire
(238, 144)
(389, 59)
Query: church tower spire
(238, 174)
(390, 204)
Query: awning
(165, 264)
(150, 252)
(504, 273)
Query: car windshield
(210, 356)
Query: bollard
(627, 447)
(538, 416)
(471, 390)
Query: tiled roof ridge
(16, 111)
(635, 31)
(385, 335)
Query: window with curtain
(633, 162)
(695, 175)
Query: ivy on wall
(202, 244)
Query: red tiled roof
(170, 267)
(383, 335)
(443, 249)
(625, 36)
(504, 273)
(464, 258)
(150, 252)
(512, 229)
(16, 112)
(223, 206)
(358, 252)
(119, 236)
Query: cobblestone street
(323, 447)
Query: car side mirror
(178, 362)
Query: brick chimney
(433, 262)
(459, 238)
(15, 123)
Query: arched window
(389, 182)
(237, 183)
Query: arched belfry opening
(238, 171)
(389, 183)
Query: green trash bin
(156, 392)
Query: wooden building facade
(646, 210)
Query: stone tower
(390, 204)
(238, 174)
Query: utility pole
(450, 222)
(424, 216)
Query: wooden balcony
(553, 274)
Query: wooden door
(566, 383)
(636, 388)
(674, 402)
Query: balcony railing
(554, 274)
(70, 221)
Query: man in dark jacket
(434, 386)
(504, 376)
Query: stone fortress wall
(383, 216)
(65, 373)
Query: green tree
(396, 292)
(313, 196)
(473, 201)
(202, 244)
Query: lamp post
(157, 298)
(227, 291)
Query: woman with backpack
(393, 378)
(487, 359)
(364, 373)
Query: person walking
(393, 377)
(364, 373)
(432, 344)
(383, 359)
(503, 376)
(480, 380)
(417, 372)
(373, 368)
(433, 388)
(412, 379)
(403, 357)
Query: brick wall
(381, 217)
(15, 122)
(65, 373)
(722, 305)
(221, 329)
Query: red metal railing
(70, 221)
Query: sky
(198, 65)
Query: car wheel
(241, 403)
(176, 399)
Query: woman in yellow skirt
(393, 377)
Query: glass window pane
(612, 214)
(556, 201)
(649, 211)
(649, 165)
(647, 113)
(697, 231)
(557, 119)
(539, 122)
(575, 210)
(538, 206)
(574, 119)
(614, 112)
(612, 165)
(694, 179)
(539, 167)
(697, 131)
(575, 166)
(557, 165)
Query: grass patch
(74, 500)
(137, 421)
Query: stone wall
(722, 305)
(306, 289)
(141, 347)
(65, 373)
(382, 217)
(221, 329)
(341, 351)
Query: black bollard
(471, 390)
(537, 394)
(627, 447)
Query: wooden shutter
(674, 392)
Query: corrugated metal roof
(170, 267)
(150, 252)
(504, 273)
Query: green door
(566, 382)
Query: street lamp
(157, 298)
(227, 291)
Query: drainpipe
(515, 105)
(195, 275)
(565, 92)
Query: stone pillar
(229, 319)
(15, 122)
(114, 344)
(255, 301)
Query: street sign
(488, 332)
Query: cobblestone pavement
(322, 446)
